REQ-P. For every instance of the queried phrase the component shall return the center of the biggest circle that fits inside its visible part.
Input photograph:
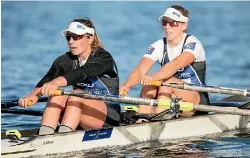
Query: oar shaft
(210, 89)
(23, 112)
(223, 110)
(121, 99)
(163, 103)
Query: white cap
(174, 14)
(79, 29)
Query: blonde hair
(87, 22)
(183, 11)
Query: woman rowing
(182, 58)
(89, 68)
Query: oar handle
(124, 92)
(156, 83)
(58, 92)
(5, 104)
(9, 104)
(30, 103)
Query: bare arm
(36, 91)
(142, 69)
(169, 69)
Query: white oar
(210, 89)
(163, 103)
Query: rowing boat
(232, 118)
(130, 134)
(126, 134)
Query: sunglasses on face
(74, 37)
(171, 23)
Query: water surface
(31, 40)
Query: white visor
(174, 14)
(79, 29)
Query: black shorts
(113, 115)
(204, 99)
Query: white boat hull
(125, 135)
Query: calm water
(31, 40)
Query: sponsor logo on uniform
(176, 14)
(97, 91)
(190, 45)
(81, 27)
(184, 75)
(150, 50)
(86, 84)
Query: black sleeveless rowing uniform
(98, 76)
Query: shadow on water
(229, 144)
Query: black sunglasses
(74, 37)
(171, 23)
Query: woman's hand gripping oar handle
(124, 92)
(30, 103)
(156, 83)
(59, 92)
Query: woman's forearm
(166, 72)
(133, 78)
(59, 81)
(142, 69)
(36, 91)
(169, 69)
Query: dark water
(31, 40)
